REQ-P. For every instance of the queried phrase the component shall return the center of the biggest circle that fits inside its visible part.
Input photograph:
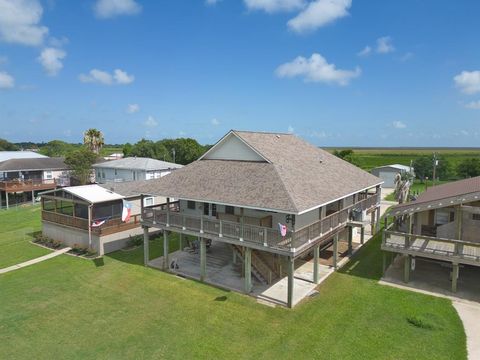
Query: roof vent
(277, 136)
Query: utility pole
(435, 162)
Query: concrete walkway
(469, 312)
(34, 261)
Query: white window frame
(48, 175)
(147, 200)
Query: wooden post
(146, 249)
(89, 224)
(372, 222)
(180, 242)
(335, 251)
(455, 270)
(6, 198)
(362, 234)
(33, 197)
(291, 271)
(377, 222)
(248, 269)
(350, 239)
(168, 212)
(316, 253)
(203, 259)
(458, 221)
(407, 265)
(165, 249)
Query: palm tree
(93, 138)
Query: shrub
(91, 251)
(135, 240)
(422, 322)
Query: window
(229, 210)
(191, 205)
(48, 175)
(443, 216)
(115, 171)
(475, 216)
(206, 209)
(214, 209)
(148, 201)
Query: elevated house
(442, 225)
(271, 198)
(21, 179)
(388, 173)
(132, 169)
(90, 216)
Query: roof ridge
(285, 187)
(263, 132)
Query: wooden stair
(260, 268)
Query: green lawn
(116, 308)
(17, 226)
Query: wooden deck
(451, 250)
(27, 185)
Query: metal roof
(395, 166)
(7, 155)
(138, 163)
(90, 193)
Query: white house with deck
(268, 200)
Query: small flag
(98, 223)
(127, 211)
(283, 229)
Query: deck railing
(27, 185)
(431, 247)
(111, 226)
(259, 235)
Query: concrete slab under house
(266, 214)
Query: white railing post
(184, 219)
(201, 224)
(265, 237)
(220, 230)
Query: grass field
(115, 308)
(367, 159)
(16, 232)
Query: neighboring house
(132, 169)
(442, 225)
(246, 186)
(388, 172)
(90, 216)
(114, 156)
(22, 178)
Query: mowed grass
(17, 226)
(367, 158)
(114, 308)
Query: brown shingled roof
(32, 164)
(298, 177)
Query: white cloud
(6, 81)
(385, 45)
(20, 22)
(51, 60)
(215, 122)
(365, 51)
(271, 6)
(399, 125)
(119, 77)
(316, 69)
(319, 13)
(473, 105)
(133, 108)
(468, 81)
(105, 9)
(151, 122)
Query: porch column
(180, 242)
(316, 251)
(458, 221)
(350, 239)
(146, 250)
(455, 270)
(165, 250)
(6, 198)
(362, 234)
(335, 251)
(203, 259)
(33, 197)
(248, 270)
(378, 218)
(372, 222)
(291, 271)
(407, 265)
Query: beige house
(90, 216)
(442, 225)
(249, 187)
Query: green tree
(347, 155)
(94, 140)
(56, 148)
(469, 168)
(423, 167)
(80, 162)
(143, 148)
(7, 146)
(127, 149)
(186, 150)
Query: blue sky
(335, 72)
